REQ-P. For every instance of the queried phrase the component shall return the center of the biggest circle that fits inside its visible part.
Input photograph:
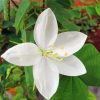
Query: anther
(50, 51)
(62, 47)
(53, 46)
(55, 55)
(61, 59)
(65, 54)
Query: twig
(14, 4)
(43, 3)
(9, 10)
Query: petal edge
(22, 54)
(71, 66)
(46, 29)
(71, 41)
(46, 78)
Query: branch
(14, 4)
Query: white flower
(53, 55)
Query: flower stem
(13, 42)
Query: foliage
(92, 96)
(71, 88)
(90, 57)
(20, 14)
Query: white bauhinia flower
(53, 54)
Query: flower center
(50, 53)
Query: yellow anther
(61, 59)
(45, 54)
(65, 54)
(62, 47)
(55, 55)
(50, 51)
(53, 46)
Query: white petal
(46, 29)
(24, 54)
(46, 78)
(71, 66)
(68, 43)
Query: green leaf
(1, 97)
(97, 8)
(84, 2)
(30, 37)
(9, 71)
(1, 5)
(36, 4)
(29, 80)
(91, 11)
(14, 73)
(7, 24)
(19, 90)
(92, 96)
(71, 2)
(10, 84)
(32, 93)
(5, 8)
(3, 69)
(62, 2)
(15, 39)
(58, 9)
(74, 13)
(23, 99)
(31, 21)
(17, 97)
(92, 22)
(15, 77)
(17, 70)
(29, 76)
(63, 16)
(22, 10)
(23, 33)
(71, 88)
(69, 26)
(91, 59)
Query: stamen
(55, 55)
(49, 53)
(65, 54)
(53, 46)
(62, 47)
(61, 59)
